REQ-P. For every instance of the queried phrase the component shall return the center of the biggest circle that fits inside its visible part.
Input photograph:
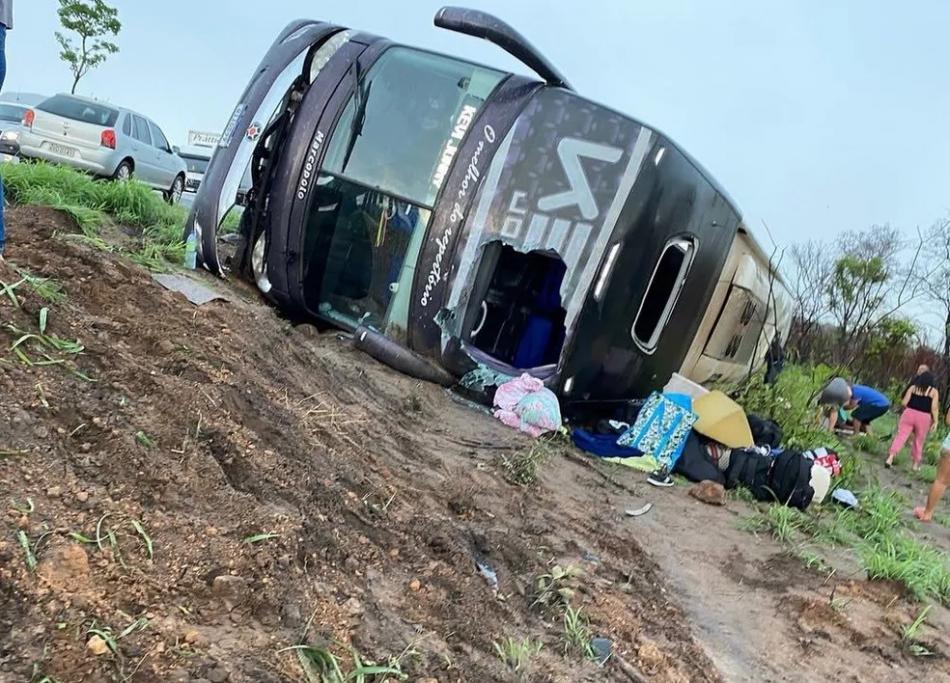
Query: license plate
(62, 149)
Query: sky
(817, 116)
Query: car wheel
(173, 196)
(124, 172)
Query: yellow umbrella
(723, 420)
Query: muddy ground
(294, 490)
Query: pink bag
(526, 404)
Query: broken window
(662, 292)
(518, 317)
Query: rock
(218, 675)
(427, 680)
(97, 646)
(650, 655)
(82, 496)
(64, 566)
(54, 491)
(353, 606)
(178, 676)
(307, 331)
(290, 615)
(415, 585)
(165, 346)
(193, 637)
(709, 492)
(232, 588)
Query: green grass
(517, 655)
(577, 633)
(320, 665)
(877, 532)
(523, 467)
(92, 203)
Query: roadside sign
(196, 138)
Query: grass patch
(557, 587)
(91, 203)
(260, 538)
(517, 655)
(877, 532)
(523, 467)
(577, 633)
(320, 665)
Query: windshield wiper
(361, 97)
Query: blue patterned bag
(662, 427)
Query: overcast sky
(816, 115)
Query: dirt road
(201, 488)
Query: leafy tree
(936, 280)
(94, 22)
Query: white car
(101, 139)
(196, 165)
(11, 115)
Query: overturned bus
(484, 222)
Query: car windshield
(196, 164)
(9, 112)
(80, 110)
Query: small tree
(94, 21)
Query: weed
(29, 555)
(868, 443)
(556, 587)
(260, 538)
(46, 288)
(522, 467)
(320, 665)
(517, 655)
(144, 439)
(741, 493)
(909, 632)
(942, 518)
(25, 510)
(140, 530)
(909, 635)
(577, 633)
(921, 568)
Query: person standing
(6, 24)
(941, 481)
(921, 404)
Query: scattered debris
(639, 512)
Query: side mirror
(176, 150)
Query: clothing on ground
(661, 427)
(526, 404)
(916, 423)
(602, 445)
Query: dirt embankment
(200, 430)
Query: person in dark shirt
(921, 404)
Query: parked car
(11, 115)
(102, 139)
(196, 164)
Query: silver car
(107, 141)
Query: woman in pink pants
(921, 410)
